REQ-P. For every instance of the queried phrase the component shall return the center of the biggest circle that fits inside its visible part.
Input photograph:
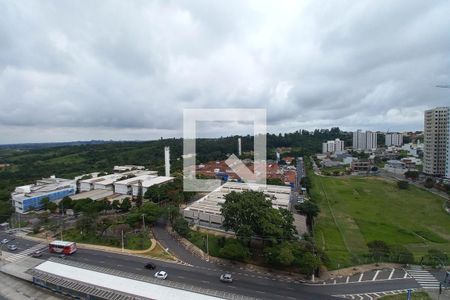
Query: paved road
(264, 286)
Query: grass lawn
(132, 241)
(415, 296)
(355, 211)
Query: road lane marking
(348, 279)
(376, 275)
(392, 273)
(360, 277)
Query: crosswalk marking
(424, 278)
(25, 253)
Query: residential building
(336, 146)
(364, 140)
(393, 139)
(30, 197)
(437, 142)
(361, 166)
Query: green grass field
(355, 211)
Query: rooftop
(212, 203)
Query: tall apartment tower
(336, 146)
(394, 139)
(437, 142)
(364, 140)
(167, 160)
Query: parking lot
(374, 275)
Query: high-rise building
(393, 139)
(333, 146)
(437, 142)
(364, 140)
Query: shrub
(234, 249)
(403, 185)
(181, 226)
(379, 250)
(429, 183)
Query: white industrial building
(130, 186)
(126, 168)
(207, 209)
(107, 182)
(29, 197)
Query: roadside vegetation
(414, 296)
(264, 235)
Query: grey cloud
(129, 68)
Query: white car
(12, 247)
(161, 275)
(5, 241)
(226, 277)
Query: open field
(355, 211)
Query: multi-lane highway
(250, 283)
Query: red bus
(62, 247)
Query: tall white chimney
(167, 160)
(239, 147)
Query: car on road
(5, 241)
(36, 253)
(12, 247)
(226, 277)
(161, 275)
(150, 266)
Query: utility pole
(122, 242)
(207, 244)
(143, 221)
(62, 221)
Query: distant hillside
(33, 161)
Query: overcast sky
(124, 70)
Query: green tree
(125, 205)
(139, 197)
(250, 213)
(429, 183)
(233, 249)
(115, 204)
(412, 175)
(172, 212)
(181, 226)
(65, 203)
(400, 254)
(379, 250)
(403, 184)
(306, 183)
(309, 209)
(436, 257)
